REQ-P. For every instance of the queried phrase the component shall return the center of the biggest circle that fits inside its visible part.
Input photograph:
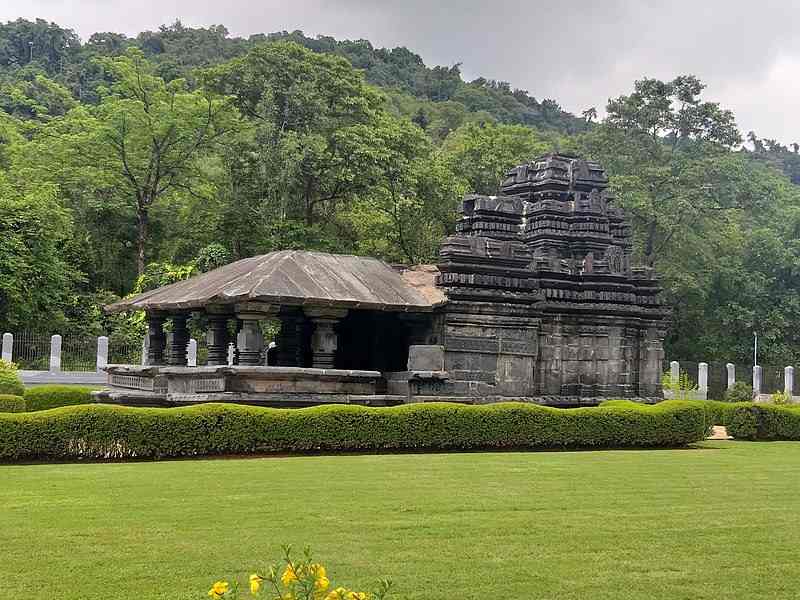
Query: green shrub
(10, 383)
(44, 397)
(716, 412)
(739, 392)
(765, 422)
(104, 431)
(11, 404)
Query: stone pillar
(731, 368)
(788, 381)
(250, 340)
(8, 347)
(702, 380)
(290, 338)
(674, 372)
(191, 353)
(102, 353)
(176, 352)
(156, 340)
(324, 340)
(55, 353)
(231, 354)
(217, 339)
(756, 383)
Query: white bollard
(102, 353)
(788, 381)
(8, 347)
(55, 353)
(191, 353)
(756, 383)
(674, 372)
(731, 374)
(702, 380)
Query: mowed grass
(718, 521)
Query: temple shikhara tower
(542, 298)
(534, 298)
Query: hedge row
(717, 413)
(765, 422)
(104, 431)
(44, 397)
(11, 404)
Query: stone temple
(534, 298)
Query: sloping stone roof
(296, 277)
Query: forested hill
(128, 163)
(431, 94)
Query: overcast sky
(577, 52)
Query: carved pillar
(250, 341)
(217, 338)
(156, 340)
(290, 338)
(324, 340)
(176, 353)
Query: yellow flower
(255, 583)
(322, 583)
(319, 571)
(218, 589)
(357, 596)
(289, 576)
(337, 594)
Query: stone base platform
(299, 387)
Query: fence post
(731, 374)
(674, 372)
(191, 353)
(8, 347)
(145, 349)
(55, 353)
(102, 353)
(788, 381)
(756, 383)
(702, 380)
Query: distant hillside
(422, 92)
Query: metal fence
(124, 352)
(31, 351)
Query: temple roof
(300, 278)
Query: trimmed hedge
(765, 422)
(11, 404)
(717, 412)
(45, 397)
(105, 431)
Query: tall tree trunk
(143, 220)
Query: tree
(304, 107)
(149, 136)
(411, 201)
(481, 154)
(35, 279)
(668, 155)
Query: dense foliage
(183, 149)
(44, 397)
(765, 422)
(11, 404)
(103, 431)
(10, 381)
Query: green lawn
(720, 521)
